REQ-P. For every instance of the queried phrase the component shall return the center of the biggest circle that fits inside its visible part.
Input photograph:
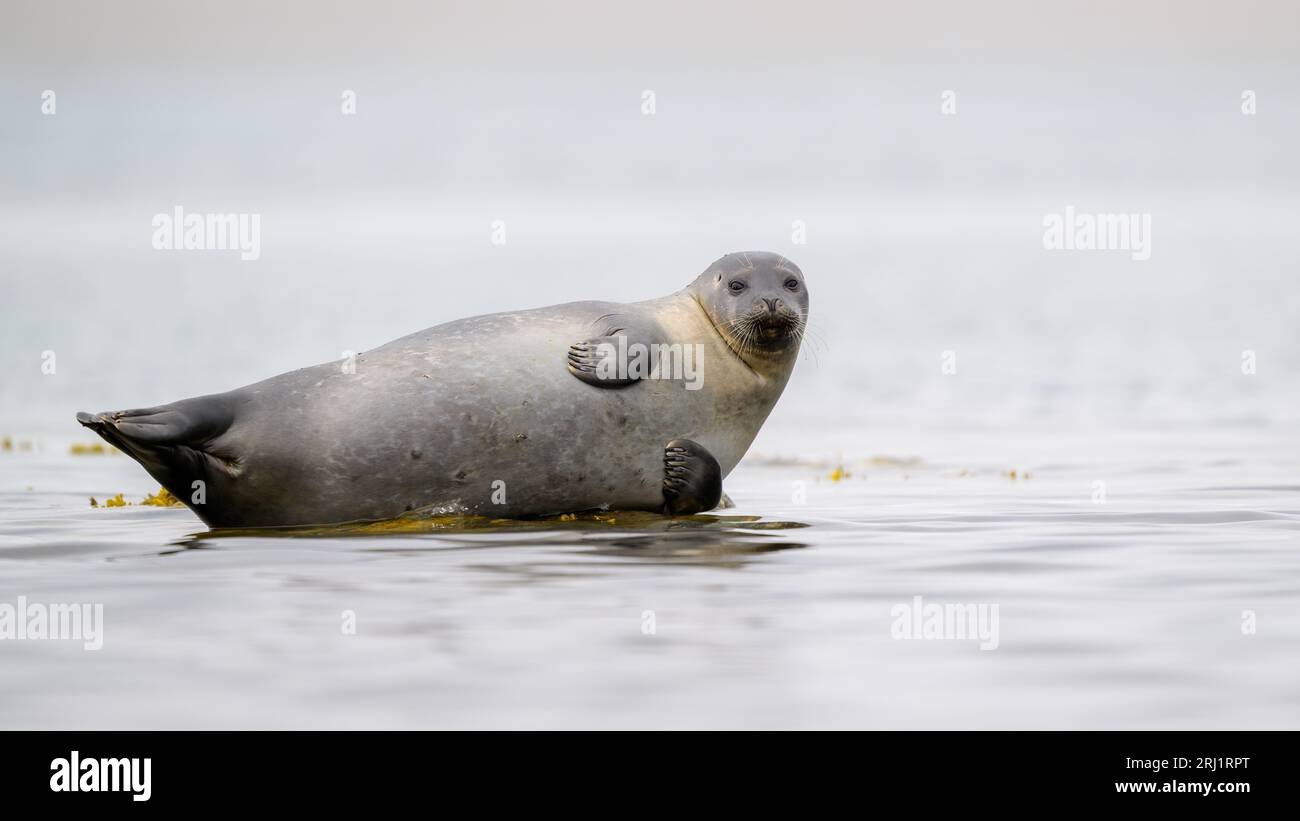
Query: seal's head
(758, 301)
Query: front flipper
(620, 352)
(597, 361)
(692, 479)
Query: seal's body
(505, 415)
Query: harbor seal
(573, 407)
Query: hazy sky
(182, 36)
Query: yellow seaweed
(467, 523)
(160, 499)
(163, 498)
(90, 449)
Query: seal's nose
(772, 304)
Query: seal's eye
(792, 284)
(736, 286)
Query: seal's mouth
(774, 329)
(766, 332)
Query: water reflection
(709, 539)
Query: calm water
(773, 614)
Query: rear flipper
(692, 478)
(173, 442)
